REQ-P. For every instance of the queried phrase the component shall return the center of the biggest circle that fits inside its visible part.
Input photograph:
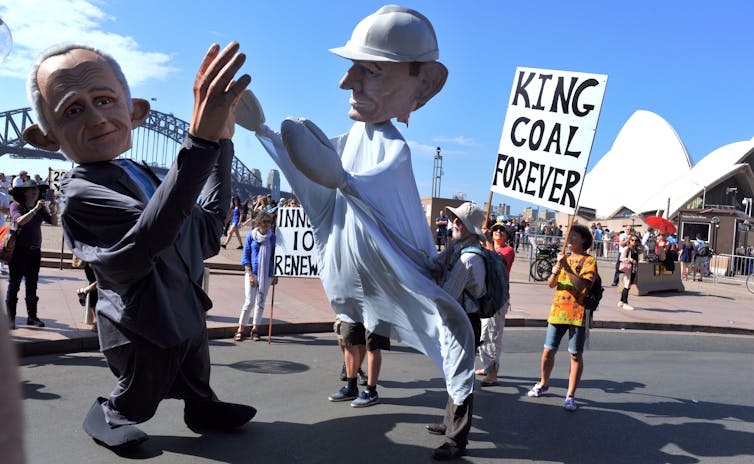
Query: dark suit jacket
(148, 255)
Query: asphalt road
(645, 397)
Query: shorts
(356, 334)
(576, 337)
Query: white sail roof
(625, 176)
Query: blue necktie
(138, 176)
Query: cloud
(460, 140)
(420, 149)
(38, 24)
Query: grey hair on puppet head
(32, 84)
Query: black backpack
(594, 293)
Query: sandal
(239, 336)
(254, 335)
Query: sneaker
(628, 307)
(537, 390)
(34, 322)
(343, 376)
(344, 394)
(366, 398)
(362, 378)
(620, 304)
(569, 404)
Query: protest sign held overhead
(547, 136)
(295, 251)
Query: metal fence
(729, 267)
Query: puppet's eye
(73, 110)
(104, 101)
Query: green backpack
(496, 282)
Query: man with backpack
(699, 257)
(462, 275)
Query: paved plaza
(669, 382)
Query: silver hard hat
(392, 33)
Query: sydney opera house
(648, 172)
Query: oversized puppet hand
(215, 91)
(312, 153)
(249, 114)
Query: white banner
(53, 178)
(295, 251)
(547, 136)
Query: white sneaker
(628, 307)
(620, 304)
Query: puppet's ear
(140, 112)
(433, 76)
(33, 135)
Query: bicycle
(542, 265)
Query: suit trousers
(458, 421)
(147, 374)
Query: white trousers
(255, 295)
(492, 339)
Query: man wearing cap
(462, 275)
(374, 247)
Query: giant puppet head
(394, 72)
(83, 105)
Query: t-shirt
(567, 304)
(698, 244)
(442, 228)
(29, 234)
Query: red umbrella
(661, 224)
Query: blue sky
(690, 62)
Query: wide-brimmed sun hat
(17, 192)
(471, 216)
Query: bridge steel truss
(156, 142)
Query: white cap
(392, 33)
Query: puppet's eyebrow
(72, 93)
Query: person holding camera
(27, 212)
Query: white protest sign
(53, 178)
(295, 251)
(547, 136)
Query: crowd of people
(146, 241)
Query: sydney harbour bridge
(156, 143)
